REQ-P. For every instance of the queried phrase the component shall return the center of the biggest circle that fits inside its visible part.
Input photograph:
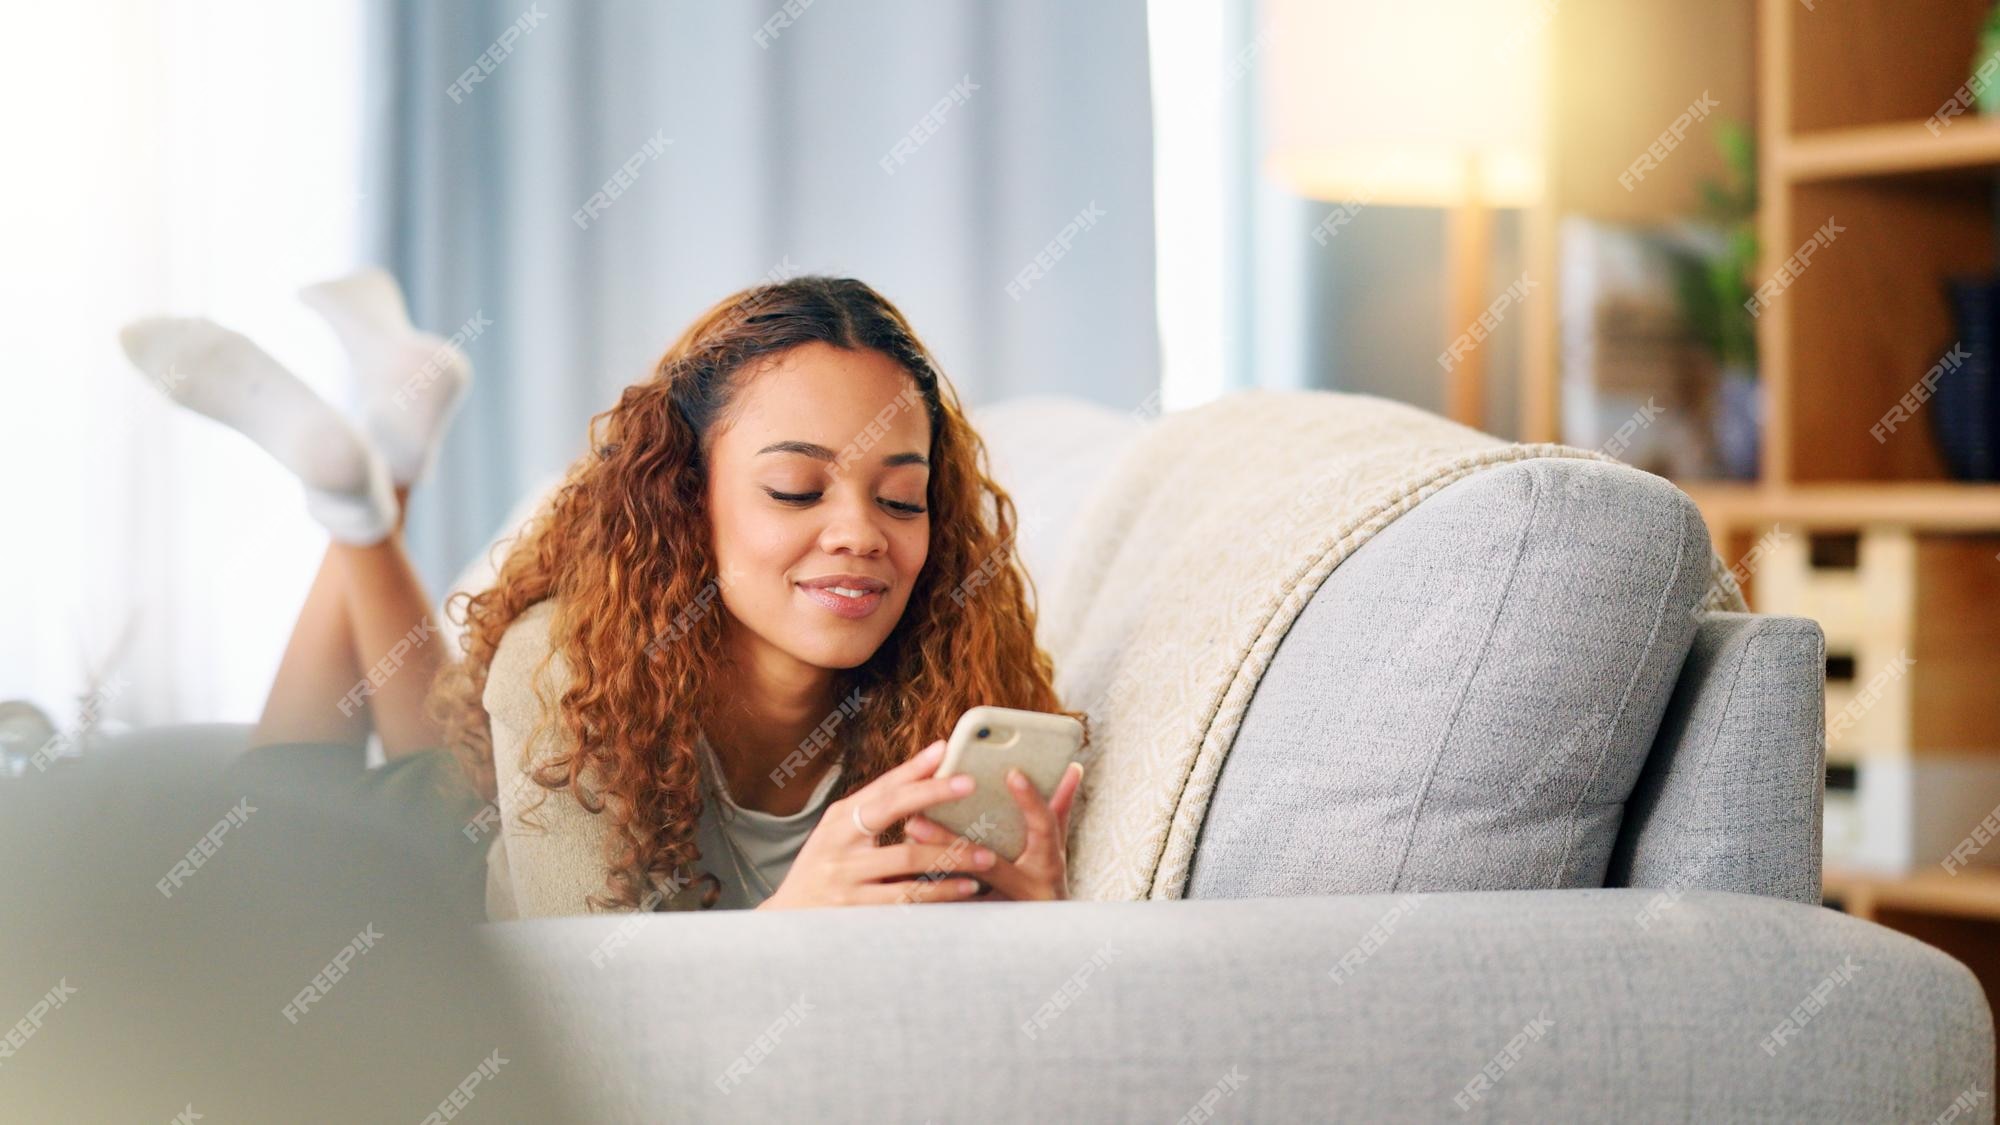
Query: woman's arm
(556, 859)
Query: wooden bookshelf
(1839, 95)
(1844, 93)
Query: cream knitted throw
(1191, 561)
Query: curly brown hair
(623, 549)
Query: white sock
(214, 371)
(408, 383)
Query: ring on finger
(866, 831)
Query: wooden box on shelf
(1911, 623)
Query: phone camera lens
(983, 732)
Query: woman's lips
(841, 605)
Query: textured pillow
(1467, 702)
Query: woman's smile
(843, 601)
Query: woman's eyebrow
(822, 453)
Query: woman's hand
(840, 864)
(1041, 872)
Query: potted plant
(1714, 266)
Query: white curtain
(182, 157)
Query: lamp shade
(1414, 102)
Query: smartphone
(986, 743)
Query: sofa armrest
(1516, 1005)
(1731, 795)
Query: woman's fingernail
(963, 783)
(1017, 779)
(982, 857)
(968, 886)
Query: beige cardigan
(548, 867)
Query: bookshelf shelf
(1903, 148)
(1924, 505)
(1971, 893)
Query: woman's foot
(408, 383)
(224, 375)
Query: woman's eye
(803, 498)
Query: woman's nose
(853, 527)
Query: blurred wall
(1378, 320)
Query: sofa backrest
(1049, 452)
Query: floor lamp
(1421, 103)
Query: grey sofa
(1512, 831)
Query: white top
(748, 850)
(764, 845)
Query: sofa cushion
(1467, 702)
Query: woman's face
(820, 472)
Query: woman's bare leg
(397, 638)
(318, 668)
(363, 653)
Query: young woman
(713, 671)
